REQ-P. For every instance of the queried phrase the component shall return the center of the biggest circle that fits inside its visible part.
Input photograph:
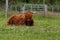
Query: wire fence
(37, 8)
(52, 10)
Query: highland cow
(21, 19)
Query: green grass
(47, 28)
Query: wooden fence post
(45, 10)
(53, 9)
(6, 8)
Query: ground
(45, 28)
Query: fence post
(52, 9)
(6, 8)
(23, 8)
(58, 8)
(31, 8)
(45, 10)
(38, 7)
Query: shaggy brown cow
(21, 19)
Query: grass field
(47, 28)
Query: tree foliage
(31, 1)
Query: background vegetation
(49, 2)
